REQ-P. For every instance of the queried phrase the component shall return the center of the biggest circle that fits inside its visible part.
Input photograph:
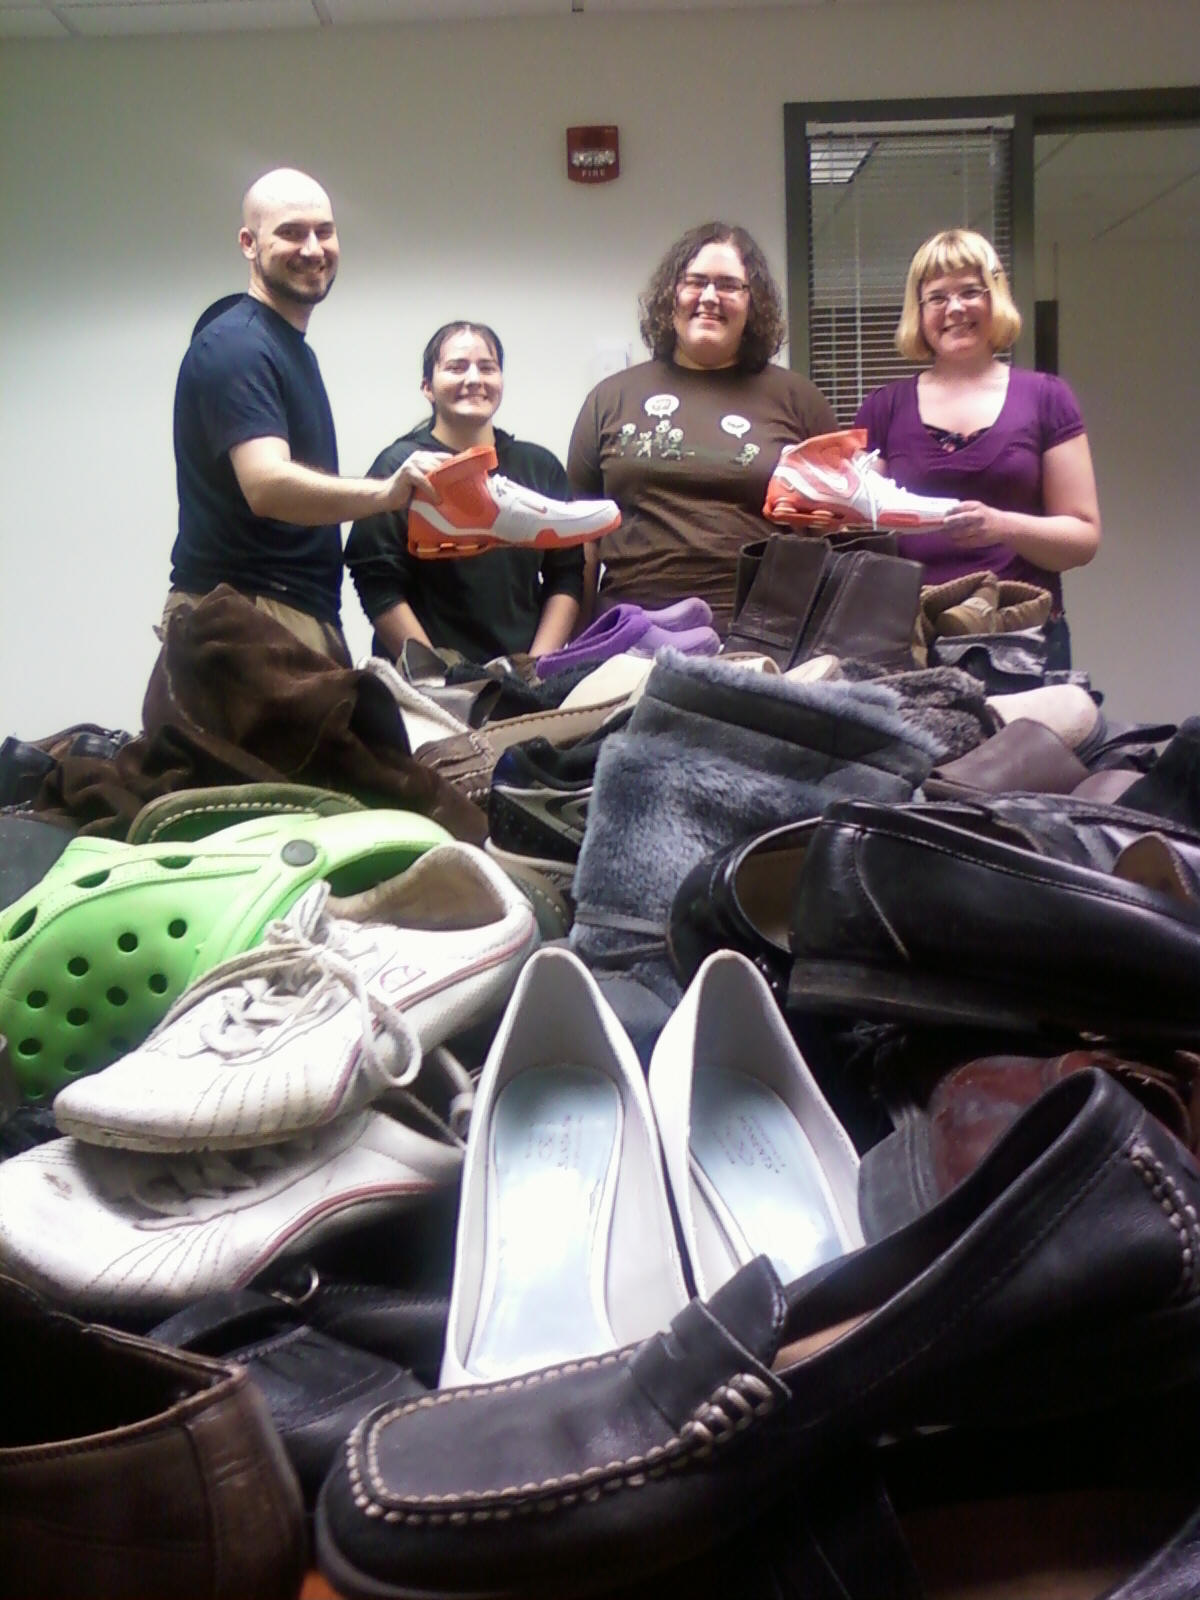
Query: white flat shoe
(758, 1163)
(565, 1241)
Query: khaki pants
(324, 637)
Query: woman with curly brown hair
(685, 443)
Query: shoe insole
(555, 1142)
(758, 1175)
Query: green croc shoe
(92, 957)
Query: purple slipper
(616, 630)
(690, 613)
(688, 641)
(625, 626)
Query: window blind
(875, 193)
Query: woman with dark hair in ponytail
(481, 606)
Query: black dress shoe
(406, 1326)
(1065, 1267)
(928, 913)
(315, 1387)
(740, 899)
(1090, 832)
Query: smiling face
(289, 238)
(710, 318)
(956, 315)
(465, 388)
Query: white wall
(122, 163)
(1129, 341)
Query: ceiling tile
(355, 11)
(591, 6)
(30, 22)
(92, 17)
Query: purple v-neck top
(1000, 466)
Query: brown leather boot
(778, 580)
(866, 610)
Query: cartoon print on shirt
(666, 442)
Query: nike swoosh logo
(841, 482)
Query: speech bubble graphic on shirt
(735, 425)
(662, 405)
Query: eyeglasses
(937, 301)
(697, 282)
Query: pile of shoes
(292, 1089)
(768, 1167)
(1027, 1284)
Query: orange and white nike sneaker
(481, 510)
(831, 480)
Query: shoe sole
(848, 988)
(430, 543)
(824, 515)
(352, 1584)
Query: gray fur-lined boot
(713, 754)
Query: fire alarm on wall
(593, 154)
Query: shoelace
(170, 1190)
(880, 500)
(506, 493)
(293, 978)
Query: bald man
(260, 501)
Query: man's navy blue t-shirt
(248, 374)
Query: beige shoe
(817, 669)
(1067, 709)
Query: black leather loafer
(740, 899)
(925, 913)
(1066, 1267)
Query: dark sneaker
(538, 804)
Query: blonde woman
(1008, 443)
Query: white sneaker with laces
(114, 1231)
(832, 479)
(334, 1008)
